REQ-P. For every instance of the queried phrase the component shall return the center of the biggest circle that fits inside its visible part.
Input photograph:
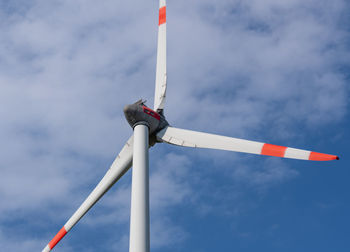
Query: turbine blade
(197, 139)
(120, 165)
(161, 76)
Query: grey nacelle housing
(139, 113)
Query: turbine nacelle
(139, 113)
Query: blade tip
(57, 238)
(46, 249)
(316, 156)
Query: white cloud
(164, 233)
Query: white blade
(161, 77)
(197, 139)
(120, 165)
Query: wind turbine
(151, 127)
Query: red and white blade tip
(162, 13)
(55, 240)
(287, 152)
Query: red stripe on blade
(57, 237)
(162, 15)
(315, 156)
(273, 150)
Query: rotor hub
(138, 113)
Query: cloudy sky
(266, 70)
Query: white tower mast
(139, 216)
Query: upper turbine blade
(190, 138)
(161, 77)
(120, 165)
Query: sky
(265, 70)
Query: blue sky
(266, 70)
